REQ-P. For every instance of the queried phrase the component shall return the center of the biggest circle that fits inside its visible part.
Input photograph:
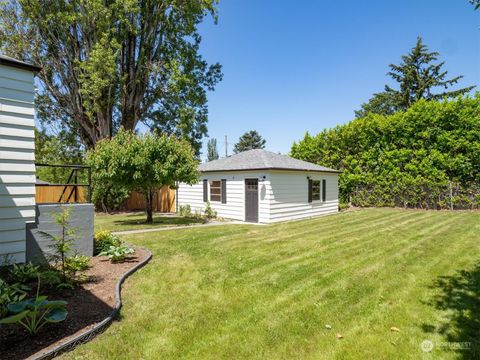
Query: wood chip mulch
(88, 304)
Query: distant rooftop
(8, 61)
(260, 159)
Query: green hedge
(407, 159)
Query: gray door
(251, 200)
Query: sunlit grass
(240, 291)
(135, 221)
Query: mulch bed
(88, 304)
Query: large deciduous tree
(418, 77)
(143, 163)
(112, 63)
(248, 141)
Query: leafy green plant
(77, 264)
(23, 273)
(209, 212)
(51, 277)
(185, 211)
(11, 294)
(62, 244)
(408, 159)
(117, 253)
(34, 313)
(143, 163)
(104, 239)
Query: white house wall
(290, 195)
(17, 169)
(235, 207)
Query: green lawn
(239, 291)
(134, 221)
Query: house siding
(283, 195)
(290, 195)
(234, 208)
(17, 168)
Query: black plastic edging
(101, 326)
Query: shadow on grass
(459, 297)
(159, 220)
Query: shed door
(251, 200)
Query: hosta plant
(11, 294)
(104, 239)
(23, 273)
(117, 253)
(34, 313)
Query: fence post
(89, 174)
(451, 196)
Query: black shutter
(324, 190)
(310, 185)
(224, 191)
(205, 190)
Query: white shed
(261, 186)
(17, 167)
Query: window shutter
(205, 190)
(310, 185)
(324, 190)
(224, 191)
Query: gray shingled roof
(7, 60)
(260, 159)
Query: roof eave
(270, 168)
(19, 65)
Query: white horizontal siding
(17, 169)
(14, 130)
(290, 195)
(235, 207)
(17, 189)
(17, 154)
(17, 166)
(12, 119)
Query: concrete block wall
(38, 246)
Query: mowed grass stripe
(283, 301)
(267, 292)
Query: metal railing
(71, 190)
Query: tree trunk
(149, 207)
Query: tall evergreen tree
(418, 77)
(212, 152)
(248, 141)
(475, 3)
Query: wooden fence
(53, 194)
(163, 201)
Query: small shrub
(343, 206)
(209, 212)
(117, 253)
(77, 264)
(104, 239)
(34, 313)
(62, 244)
(11, 294)
(197, 215)
(23, 273)
(51, 277)
(185, 211)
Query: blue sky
(296, 66)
